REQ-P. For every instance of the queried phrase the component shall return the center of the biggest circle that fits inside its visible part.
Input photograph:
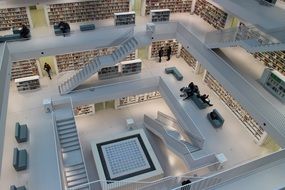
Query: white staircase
(74, 171)
(248, 38)
(127, 47)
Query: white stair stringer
(182, 148)
(247, 38)
(73, 169)
(96, 64)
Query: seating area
(198, 101)
(215, 118)
(21, 132)
(174, 71)
(86, 27)
(20, 159)
(13, 187)
(14, 37)
(61, 28)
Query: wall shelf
(211, 14)
(86, 10)
(175, 6)
(76, 60)
(274, 60)
(131, 100)
(13, 18)
(84, 110)
(155, 47)
(189, 59)
(251, 125)
(24, 68)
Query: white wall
(5, 69)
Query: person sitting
(213, 115)
(191, 85)
(185, 185)
(64, 27)
(205, 99)
(25, 31)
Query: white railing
(180, 148)
(236, 172)
(57, 153)
(66, 102)
(192, 129)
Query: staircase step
(64, 120)
(66, 131)
(76, 177)
(63, 127)
(68, 135)
(64, 124)
(190, 146)
(75, 172)
(71, 148)
(69, 144)
(173, 134)
(66, 140)
(74, 167)
(78, 182)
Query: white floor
(232, 140)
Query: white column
(193, 6)
(204, 75)
(143, 7)
(39, 68)
(46, 13)
(55, 65)
(179, 50)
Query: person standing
(160, 54)
(169, 51)
(47, 68)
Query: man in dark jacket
(25, 31)
(169, 51)
(47, 68)
(160, 54)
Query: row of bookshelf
(24, 68)
(155, 47)
(124, 68)
(75, 61)
(13, 17)
(211, 14)
(175, 6)
(190, 60)
(129, 100)
(28, 83)
(251, 125)
(125, 18)
(84, 110)
(86, 10)
(274, 60)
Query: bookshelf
(84, 110)
(24, 68)
(256, 131)
(274, 82)
(125, 18)
(211, 14)
(123, 68)
(155, 47)
(274, 60)
(131, 67)
(160, 15)
(190, 60)
(86, 10)
(108, 72)
(130, 100)
(28, 83)
(13, 17)
(175, 6)
(76, 60)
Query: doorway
(38, 16)
(49, 60)
(105, 105)
(137, 6)
(143, 53)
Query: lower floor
(233, 140)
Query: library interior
(142, 94)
